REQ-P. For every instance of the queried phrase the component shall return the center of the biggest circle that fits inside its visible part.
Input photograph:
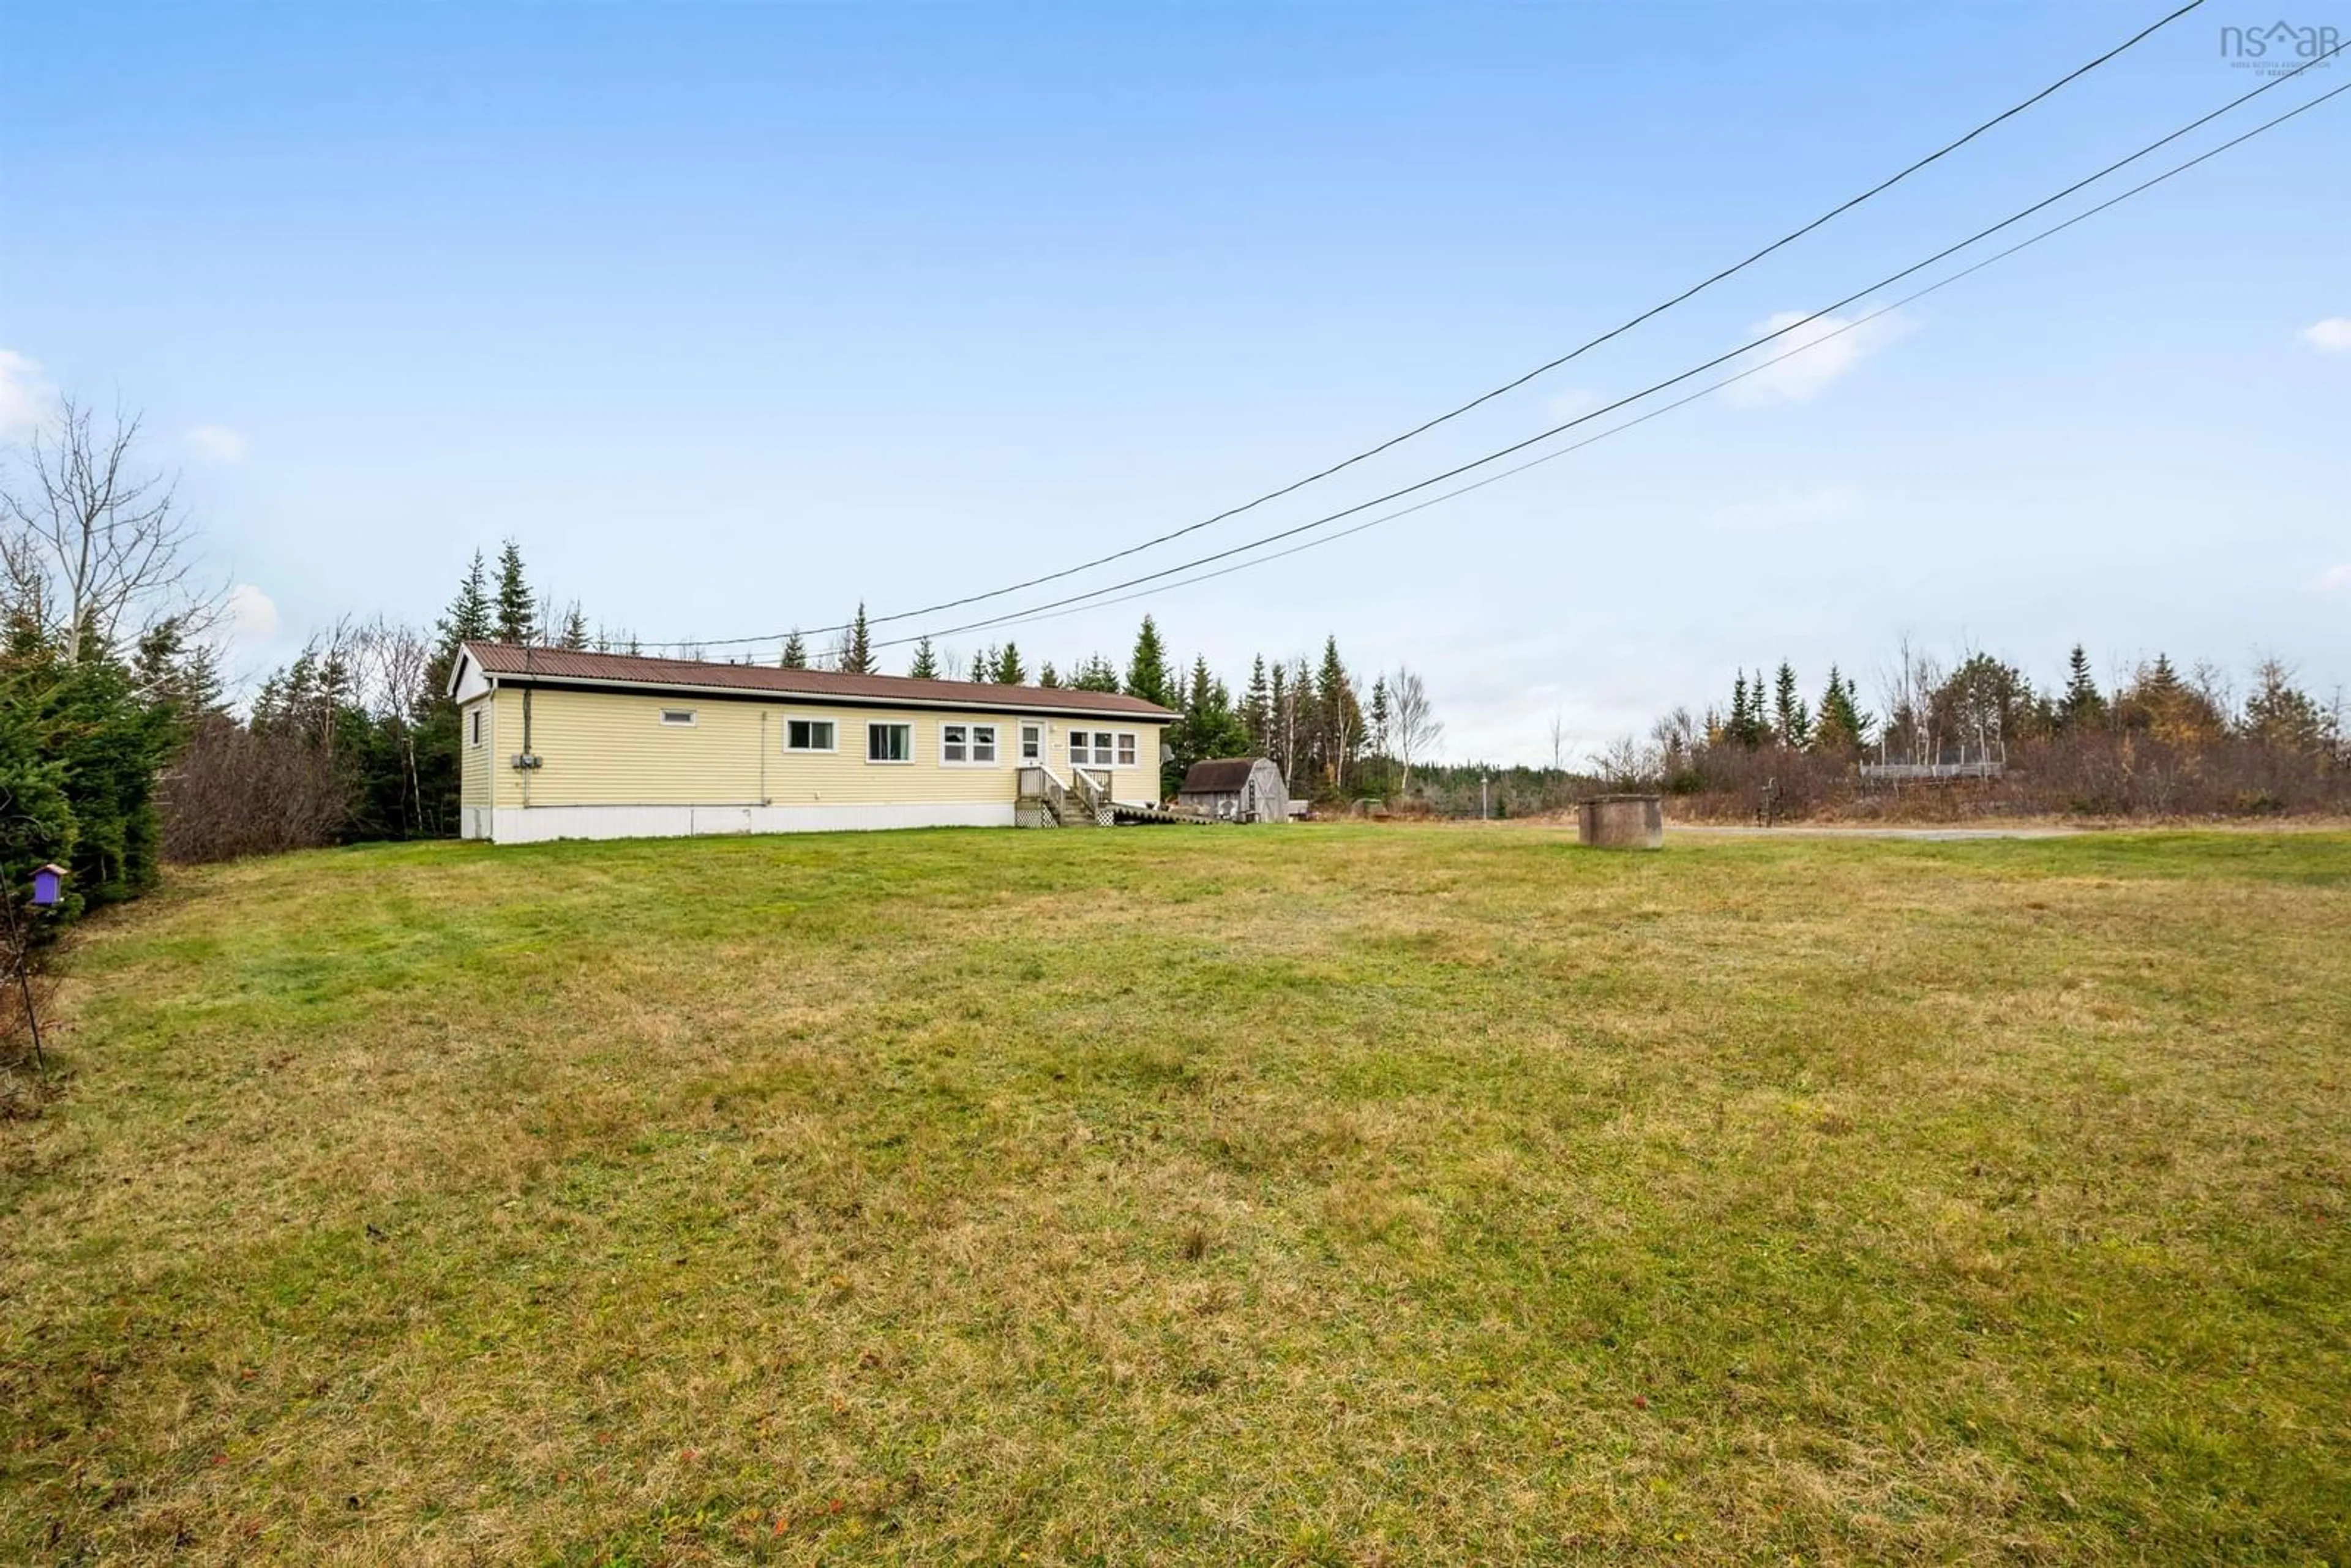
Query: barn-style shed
(1236, 790)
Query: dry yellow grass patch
(1351, 1195)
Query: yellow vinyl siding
(474, 760)
(602, 748)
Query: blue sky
(735, 315)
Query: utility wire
(1513, 385)
(1654, 387)
(1023, 618)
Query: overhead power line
(1697, 369)
(1513, 385)
(1028, 617)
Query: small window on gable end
(474, 734)
(677, 715)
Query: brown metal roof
(568, 666)
(1218, 776)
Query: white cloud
(1792, 508)
(251, 618)
(2331, 336)
(2336, 579)
(1821, 351)
(218, 443)
(26, 398)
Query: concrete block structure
(1620, 822)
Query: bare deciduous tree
(1676, 738)
(392, 677)
(1907, 692)
(1625, 764)
(233, 792)
(91, 547)
(1412, 726)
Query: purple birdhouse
(48, 886)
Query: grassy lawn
(1328, 1195)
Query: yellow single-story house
(557, 744)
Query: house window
(889, 743)
(810, 735)
(473, 719)
(968, 744)
(1101, 749)
(1032, 743)
(677, 715)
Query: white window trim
(833, 751)
(1096, 758)
(873, 761)
(995, 744)
(661, 718)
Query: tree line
(355, 739)
(2150, 739)
(104, 663)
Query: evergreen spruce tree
(1146, 670)
(1047, 676)
(1277, 713)
(81, 750)
(1009, 671)
(1097, 675)
(1208, 728)
(1841, 727)
(983, 666)
(926, 666)
(467, 620)
(2159, 700)
(1379, 736)
(2083, 706)
(795, 653)
(1256, 708)
(1339, 719)
(2282, 716)
(1792, 723)
(857, 647)
(517, 620)
(468, 616)
(183, 679)
(575, 629)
